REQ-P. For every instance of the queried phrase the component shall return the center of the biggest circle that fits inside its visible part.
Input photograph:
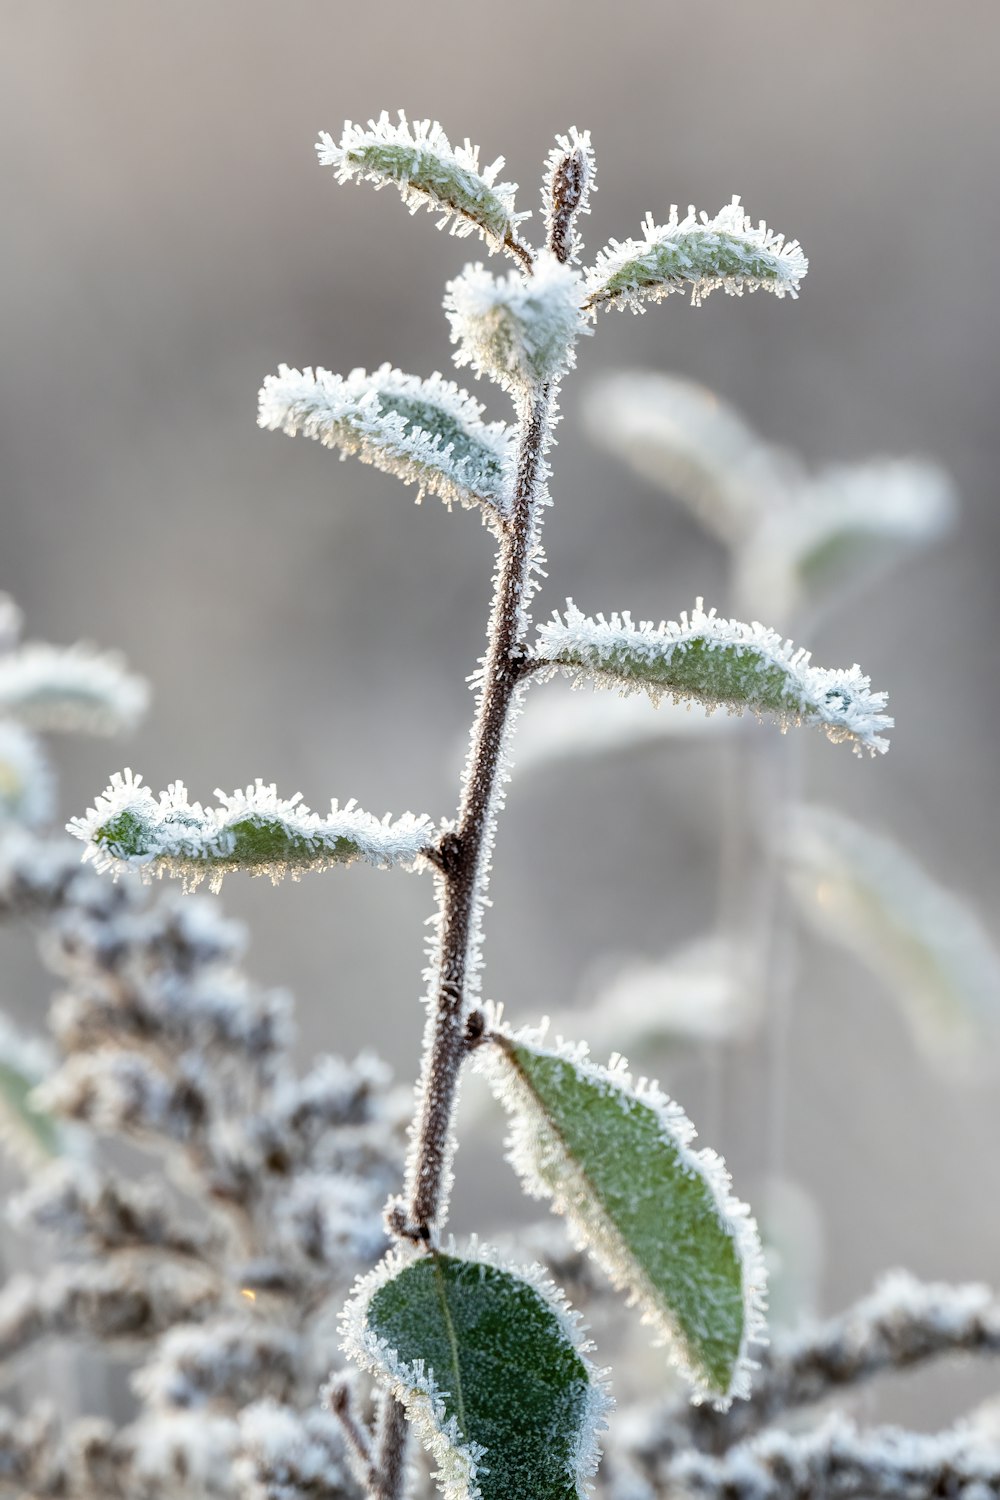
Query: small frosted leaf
(517, 330)
(616, 1160)
(254, 830)
(850, 525)
(488, 1362)
(72, 688)
(27, 1131)
(681, 438)
(696, 253)
(26, 786)
(720, 663)
(864, 892)
(425, 432)
(419, 160)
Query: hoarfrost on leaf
(420, 161)
(720, 663)
(489, 1362)
(426, 432)
(517, 330)
(129, 829)
(616, 1159)
(699, 253)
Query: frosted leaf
(419, 160)
(848, 526)
(425, 432)
(254, 830)
(27, 1131)
(572, 725)
(72, 688)
(570, 178)
(699, 253)
(488, 1362)
(517, 330)
(720, 663)
(681, 438)
(26, 786)
(925, 943)
(615, 1157)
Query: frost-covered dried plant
(165, 1044)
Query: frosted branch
(71, 688)
(419, 160)
(255, 830)
(426, 432)
(699, 253)
(721, 663)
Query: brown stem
(463, 854)
(388, 1475)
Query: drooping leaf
(721, 663)
(425, 432)
(696, 253)
(419, 160)
(864, 892)
(616, 1159)
(254, 830)
(488, 1362)
(71, 688)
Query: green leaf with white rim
(616, 1160)
(488, 1363)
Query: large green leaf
(489, 1366)
(616, 1160)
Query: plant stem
(464, 853)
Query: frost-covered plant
(475, 1350)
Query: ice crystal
(721, 663)
(699, 253)
(425, 432)
(253, 830)
(517, 330)
(419, 160)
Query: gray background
(168, 239)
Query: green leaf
(418, 159)
(128, 829)
(703, 658)
(616, 1160)
(488, 1363)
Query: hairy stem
(463, 854)
(392, 1439)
